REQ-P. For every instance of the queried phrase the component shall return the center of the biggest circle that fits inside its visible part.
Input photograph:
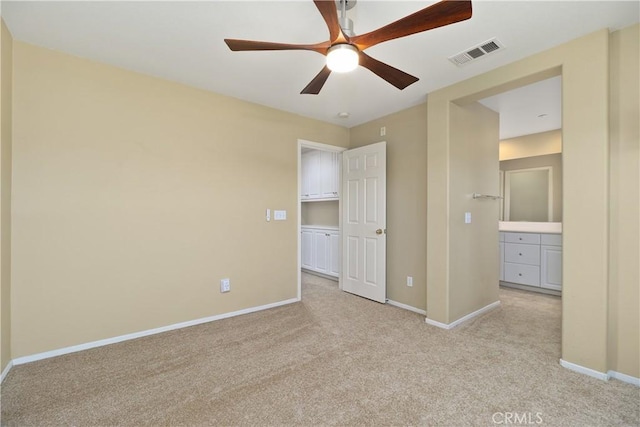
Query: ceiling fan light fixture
(342, 58)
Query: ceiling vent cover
(476, 52)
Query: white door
(334, 253)
(364, 221)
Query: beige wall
(6, 48)
(406, 136)
(537, 144)
(473, 248)
(134, 196)
(320, 213)
(584, 65)
(624, 272)
(553, 160)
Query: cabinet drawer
(522, 274)
(529, 238)
(523, 254)
(551, 239)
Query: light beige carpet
(332, 359)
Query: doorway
(342, 216)
(583, 64)
(530, 208)
(319, 210)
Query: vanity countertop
(530, 227)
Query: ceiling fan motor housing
(347, 26)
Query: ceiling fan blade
(398, 78)
(437, 15)
(329, 12)
(250, 45)
(313, 88)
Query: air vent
(476, 52)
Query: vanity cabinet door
(502, 261)
(551, 267)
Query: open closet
(320, 212)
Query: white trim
(6, 370)
(319, 274)
(584, 370)
(320, 146)
(464, 318)
(406, 307)
(624, 377)
(127, 337)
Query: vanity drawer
(523, 254)
(529, 238)
(522, 274)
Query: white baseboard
(464, 318)
(319, 274)
(624, 377)
(584, 370)
(406, 307)
(6, 370)
(127, 337)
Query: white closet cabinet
(306, 243)
(320, 250)
(320, 175)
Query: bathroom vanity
(531, 256)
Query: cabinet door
(306, 249)
(334, 254)
(321, 251)
(305, 165)
(310, 169)
(330, 174)
(502, 261)
(551, 267)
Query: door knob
(379, 231)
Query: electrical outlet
(409, 281)
(225, 285)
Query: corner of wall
(6, 83)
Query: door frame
(303, 143)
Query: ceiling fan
(345, 50)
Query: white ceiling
(183, 41)
(529, 109)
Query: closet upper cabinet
(320, 175)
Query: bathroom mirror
(528, 194)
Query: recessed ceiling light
(343, 115)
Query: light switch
(467, 217)
(279, 215)
(268, 215)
